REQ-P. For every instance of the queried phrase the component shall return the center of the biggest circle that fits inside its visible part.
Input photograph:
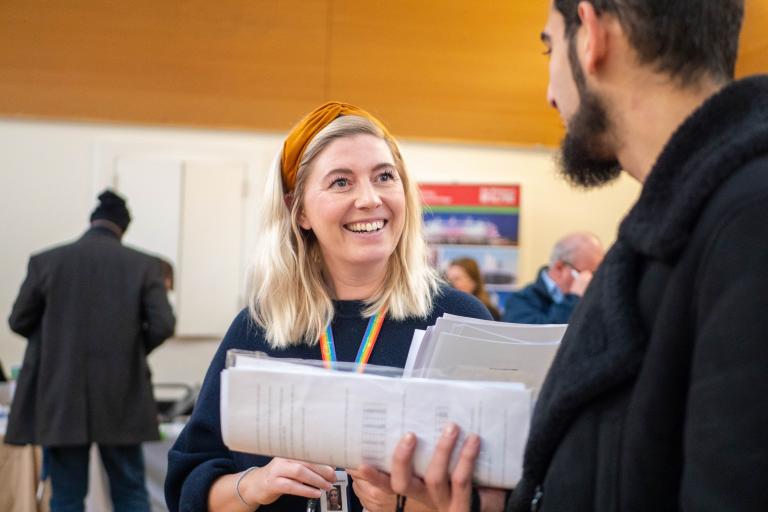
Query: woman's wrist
(252, 505)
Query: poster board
(479, 222)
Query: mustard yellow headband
(305, 131)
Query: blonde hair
(288, 296)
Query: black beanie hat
(112, 208)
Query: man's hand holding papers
(446, 490)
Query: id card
(336, 498)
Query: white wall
(48, 184)
(549, 207)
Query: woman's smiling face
(354, 202)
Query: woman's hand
(266, 484)
(448, 491)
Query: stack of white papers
(479, 374)
(470, 349)
(278, 408)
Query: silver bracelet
(237, 485)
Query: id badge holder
(336, 499)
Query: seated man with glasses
(558, 288)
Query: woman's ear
(303, 221)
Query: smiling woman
(354, 204)
(339, 172)
(342, 263)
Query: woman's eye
(339, 183)
(387, 176)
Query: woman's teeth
(365, 227)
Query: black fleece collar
(730, 129)
(605, 343)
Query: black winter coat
(658, 397)
(92, 310)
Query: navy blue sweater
(199, 456)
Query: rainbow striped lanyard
(328, 349)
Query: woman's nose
(368, 197)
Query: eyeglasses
(574, 271)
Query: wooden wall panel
(449, 70)
(445, 70)
(235, 63)
(753, 47)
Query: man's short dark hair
(685, 38)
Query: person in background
(167, 274)
(464, 274)
(553, 296)
(656, 399)
(341, 249)
(91, 310)
(168, 281)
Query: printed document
(472, 349)
(277, 408)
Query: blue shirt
(554, 291)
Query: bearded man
(657, 397)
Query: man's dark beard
(584, 160)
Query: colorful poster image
(471, 214)
(479, 222)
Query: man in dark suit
(91, 310)
(553, 296)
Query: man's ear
(594, 43)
